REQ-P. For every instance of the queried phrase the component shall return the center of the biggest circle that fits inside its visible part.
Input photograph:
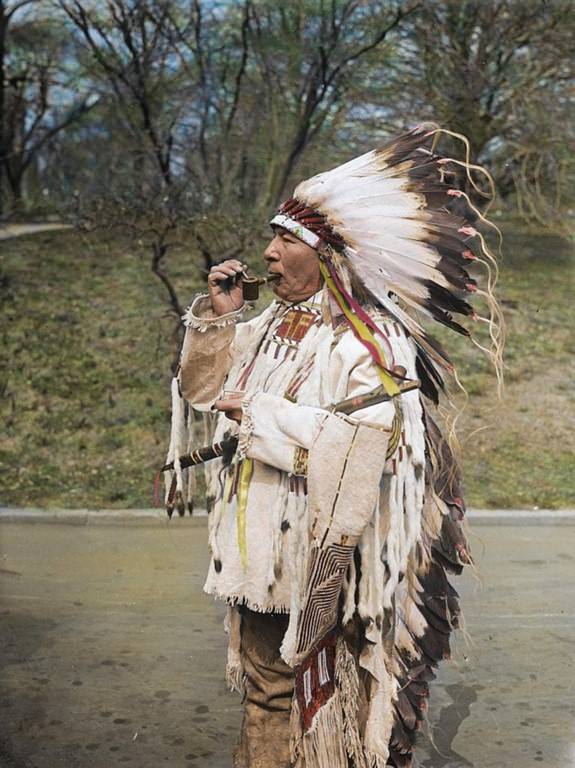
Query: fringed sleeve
(204, 363)
(275, 430)
(207, 352)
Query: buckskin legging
(269, 685)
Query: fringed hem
(375, 761)
(295, 730)
(333, 739)
(199, 322)
(234, 668)
(235, 677)
(323, 746)
(242, 600)
(348, 685)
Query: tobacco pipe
(251, 285)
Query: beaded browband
(306, 223)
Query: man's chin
(279, 289)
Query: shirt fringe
(242, 600)
(202, 323)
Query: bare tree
(128, 45)
(32, 87)
(493, 70)
(129, 57)
(324, 53)
(221, 103)
(264, 83)
(271, 78)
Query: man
(331, 532)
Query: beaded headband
(306, 223)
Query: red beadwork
(313, 220)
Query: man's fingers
(232, 264)
(223, 269)
(223, 272)
(217, 277)
(232, 408)
(235, 263)
(228, 405)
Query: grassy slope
(87, 342)
(88, 354)
(523, 456)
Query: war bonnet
(397, 220)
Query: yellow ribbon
(365, 333)
(246, 472)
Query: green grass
(87, 343)
(87, 339)
(524, 454)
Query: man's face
(296, 262)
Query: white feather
(385, 218)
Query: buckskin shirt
(292, 365)
(306, 489)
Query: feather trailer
(427, 604)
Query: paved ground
(111, 656)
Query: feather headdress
(396, 220)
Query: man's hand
(232, 407)
(223, 297)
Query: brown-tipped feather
(435, 597)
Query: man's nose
(271, 252)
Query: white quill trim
(246, 428)
(178, 441)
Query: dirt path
(8, 231)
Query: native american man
(331, 534)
